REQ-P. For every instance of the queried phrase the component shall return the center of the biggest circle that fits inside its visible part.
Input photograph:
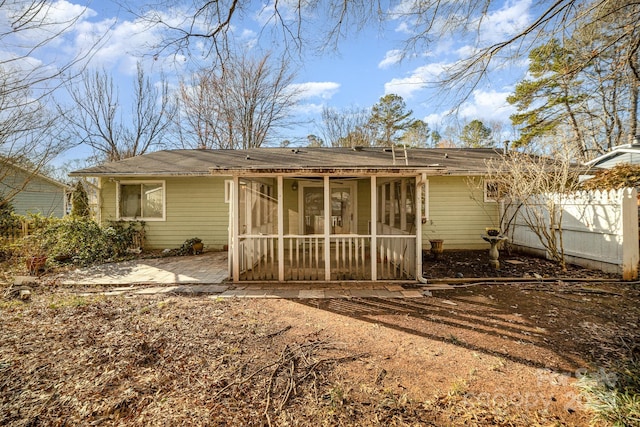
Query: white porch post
(403, 204)
(421, 186)
(235, 243)
(374, 228)
(383, 197)
(327, 228)
(392, 207)
(280, 228)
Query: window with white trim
(141, 200)
(491, 191)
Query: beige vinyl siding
(458, 213)
(195, 207)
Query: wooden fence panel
(12, 235)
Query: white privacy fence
(599, 228)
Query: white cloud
(119, 45)
(403, 27)
(39, 49)
(308, 109)
(392, 57)
(486, 106)
(511, 18)
(435, 120)
(416, 81)
(323, 90)
(466, 51)
(53, 19)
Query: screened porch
(279, 230)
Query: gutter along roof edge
(137, 174)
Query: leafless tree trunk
(99, 119)
(240, 105)
(634, 77)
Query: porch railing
(396, 257)
(258, 257)
(350, 257)
(305, 259)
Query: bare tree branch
(429, 20)
(99, 121)
(240, 105)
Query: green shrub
(77, 240)
(614, 399)
(121, 235)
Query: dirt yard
(505, 355)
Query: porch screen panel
(258, 207)
(258, 228)
(396, 229)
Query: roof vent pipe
(506, 147)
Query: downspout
(420, 201)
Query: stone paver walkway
(292, 291)
(206, 274)
(207, 268)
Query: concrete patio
(206, 274)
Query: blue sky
(363, 69)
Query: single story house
(325, 214)
(33, 193)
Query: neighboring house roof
(627, 153)
(449, 161)
(31, 174)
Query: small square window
(491, 191)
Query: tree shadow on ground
(538, 328)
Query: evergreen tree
(388, 118)
(80, 202)
(476, 135)
(548, 100)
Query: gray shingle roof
(449, 161)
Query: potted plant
(492, 231)
(34, 254)
(436, 244)
(197, 246)
(191, 246)
(437, 247)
